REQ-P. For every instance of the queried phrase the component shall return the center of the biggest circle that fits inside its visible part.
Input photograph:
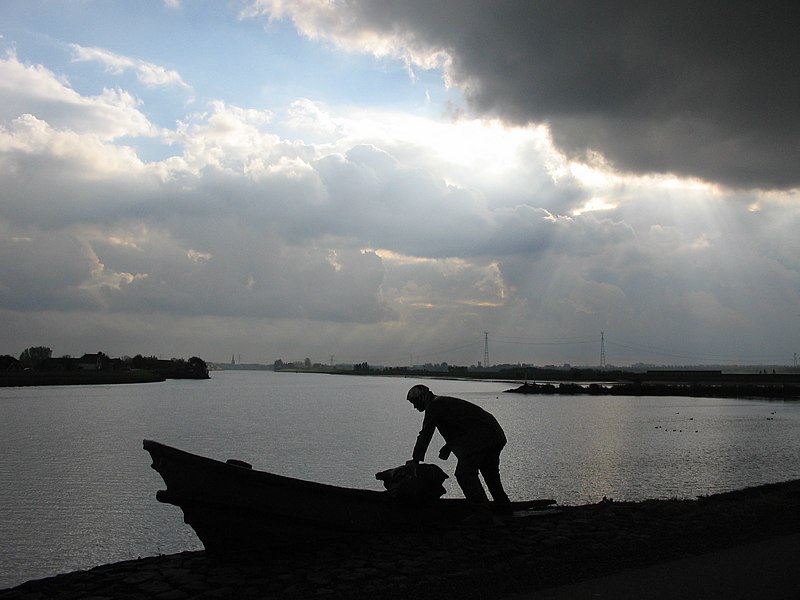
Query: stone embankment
(520, 555)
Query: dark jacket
(465, 427)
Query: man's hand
(444, 453)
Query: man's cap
(417, 392)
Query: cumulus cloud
(35, 90)
(241, 223)
(392, 236)
(227, 137)
(703, 90)
(305, 114)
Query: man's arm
(423, 439)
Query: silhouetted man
(474, 436)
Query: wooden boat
(234, 508)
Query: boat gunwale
(157, 449)
(204, 462)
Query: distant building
(92, 362)
(100, 362)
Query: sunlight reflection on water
(76, 488)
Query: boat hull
(233, 508)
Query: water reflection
(76, 489)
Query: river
(76, 488)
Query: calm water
(76, 488)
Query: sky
(401, 182)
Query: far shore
(723, 389)
(77, 377)
(594, 382)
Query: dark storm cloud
(707, 89)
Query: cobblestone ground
(521, 554)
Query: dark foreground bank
(521, 555)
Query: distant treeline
(776, 390)
(37, 366)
